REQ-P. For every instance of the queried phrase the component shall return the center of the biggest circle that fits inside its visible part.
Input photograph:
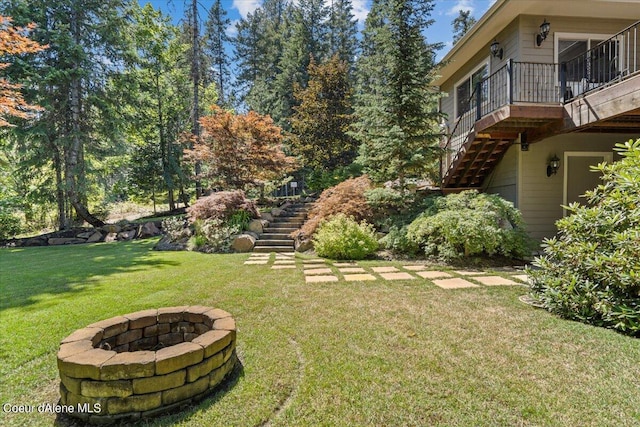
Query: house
(535, 93)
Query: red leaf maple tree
(14, 41)
(237, 150)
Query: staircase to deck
(277, 237)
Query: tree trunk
(195, 75)
(57, 164)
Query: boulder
(85, 235)
(266, 216)
(112, 228)
(127, 235)
(111, 237)
(243, 243)
(258, 225)
(276, 212)
(165, 244)
(36, 241)
(303, 244)
(54, 241)
(95, 237)
(148, 229)
(252, 234)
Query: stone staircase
(276, 237)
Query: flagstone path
(318, 270)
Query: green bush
(9, 225)
(393, 208)
(396, 240)
(343, 238)
(470, 223)
(213, 236)
(591, 270)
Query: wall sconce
(544, 32)
(553, 166)
(496, 50)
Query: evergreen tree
(396, 109)
(86, 45)
(215, 40)
(342, 31)
(321, 121)
(463, 23)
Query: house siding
(540, 197)
(503, 179)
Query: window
(600, 66)
(465, 87)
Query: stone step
(285, 225)
(273, 242)
(281, 230)
(274, 236)
(267, 249)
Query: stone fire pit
(145, 363)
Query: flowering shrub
(346, 198)
(213, 235)
(343, 238)
(590, 271)
(470, 223)
(221, 205)
(176, 228)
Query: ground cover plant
(591, 270)
(358, 353)
(470, 223)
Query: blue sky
(441, 31)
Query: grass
(363, 353)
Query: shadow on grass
(27, 274)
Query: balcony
(596, 91)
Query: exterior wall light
(553, 166)
(544, 32)
(496, 50)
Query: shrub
(176, 228)
(9, 225)
(213, 235)
(346, 198)
(396, 240)
(343, 238)
(591, 270)
(221, 205)
(470, 223)
(319, 180)
(393, 208)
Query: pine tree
(342, 31)
(215, 39)
(323, 117)
(463, 23)
(396, 109)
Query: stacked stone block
(146, 363)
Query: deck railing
(609, 62)
(515, 82)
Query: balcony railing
(611, 61)
(515, 82)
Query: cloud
(246, 6)
(461, 5)
(232, 29)
(360, 10)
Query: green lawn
(330, 354)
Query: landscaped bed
(341, 353)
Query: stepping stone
(344, 264)
(495, 281)
(414, 267)
(317, 279)
(352, 270)
(432, 274)
(522, 277)
(317, 271)
(456, 283)
(255, 262)
(468, 273)
(281, 261)
(384, 269)
(282, 267)
(397, 276)
(358, 277)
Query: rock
(256, 226)
(165, 244)
(36, 241)
(243, 243)
(111, 237)
(95, 237)
(303, 245)
(85, 235)
(148, 229)
(127, 235)
(252, 234)
(112, 228)
(276, 212)
(266, 216)
(54, 241)
(308, 200)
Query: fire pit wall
(146, 363)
